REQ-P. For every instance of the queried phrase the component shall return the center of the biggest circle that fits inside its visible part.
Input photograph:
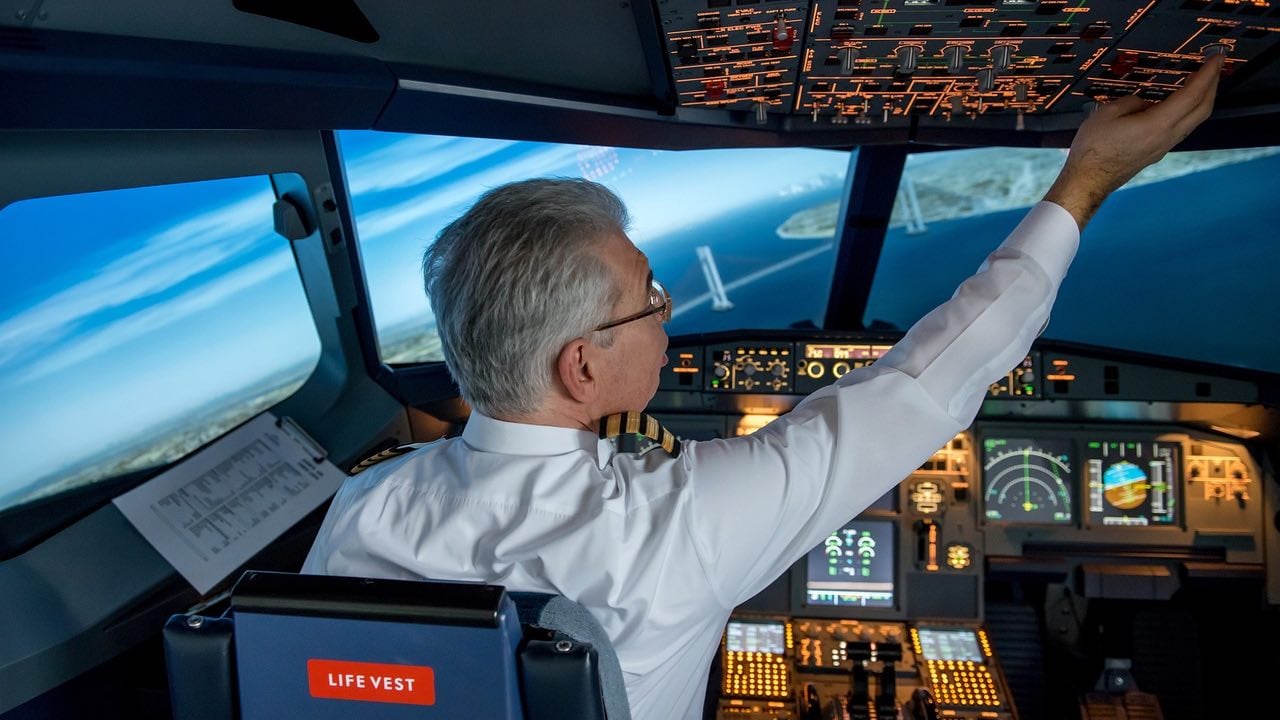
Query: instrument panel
(898, 62)
(801, 368)
(1079, 473)
(888, 615)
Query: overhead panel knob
(954, 55)
(908, 59)
(762, 112)
(1002, 57)
(986, 80)
(848, 56)
(783, 36)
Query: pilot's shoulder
(639, 433)
(383, 455)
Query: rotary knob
(954, 55)
(986, 80)
(848, 56)
(908, 58)
(1001, 57)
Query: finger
(1200, 88)
(1126, 105)
(1200, 112)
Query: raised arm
(760, 502)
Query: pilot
(551, 321)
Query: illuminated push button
(908, 59)
(1125, 62)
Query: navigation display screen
(853, 567)
(1028, 480)
(1131, 483)
(949, 644)
(755, 637)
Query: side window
(137, 325)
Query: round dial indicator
(1027, 480)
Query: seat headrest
(341, 648)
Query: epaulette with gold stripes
(630, 429)
(387, 454)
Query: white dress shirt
(661, 550)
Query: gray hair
(514, 280)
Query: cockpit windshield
(741, 238)
(1167, 266)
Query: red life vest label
(371, 682)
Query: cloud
(415, 160)
(119, 332)
(160, 262)
(542, 162)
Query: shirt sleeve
(758, 503)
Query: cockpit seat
(334, 647)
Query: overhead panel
(736, 57)
(1173, 38)
(889, 61)
(899, 62)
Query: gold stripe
(630, 423)
(379, 457)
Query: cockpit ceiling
(820, 72)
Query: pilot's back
(530, 508)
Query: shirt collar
(489, 435)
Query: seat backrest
(334, 647)
(570, 621)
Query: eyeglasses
(659, 302)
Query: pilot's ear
(574, 368)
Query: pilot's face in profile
(635, 359)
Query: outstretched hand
(1126, 135)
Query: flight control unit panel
(894, 62)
